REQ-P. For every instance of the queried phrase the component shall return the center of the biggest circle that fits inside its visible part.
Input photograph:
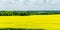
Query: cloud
(29, 4)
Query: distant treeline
(27, 13)
(18, 29)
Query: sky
(29, 5)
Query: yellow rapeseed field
(50, 22)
